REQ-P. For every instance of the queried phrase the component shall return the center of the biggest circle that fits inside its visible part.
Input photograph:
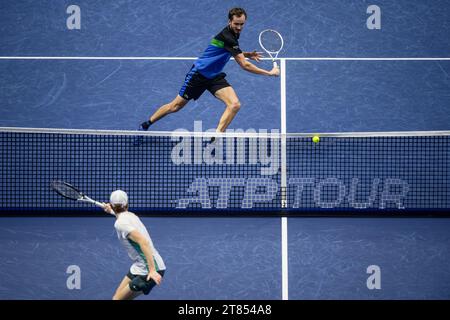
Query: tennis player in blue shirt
(206, 73)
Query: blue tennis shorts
(195, 84)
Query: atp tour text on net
(263, 151)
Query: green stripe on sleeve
(217, 43)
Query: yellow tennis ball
(316, 139)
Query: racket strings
(67, 191)
(271, 41)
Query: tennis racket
(70, 192)
(272, 42)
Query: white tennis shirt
(125, 223)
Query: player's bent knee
(174, 108)
(235, 106)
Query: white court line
(194, 58)
(284, 229)
(368, 59)
(284, 259)
(96, 58)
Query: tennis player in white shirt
(148, 267)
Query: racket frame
(272, 54)
(83, 197)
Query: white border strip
(194, 58)
(371, 134)
(184, 133)
(226, 134)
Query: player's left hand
(254, 55)
(155, 276)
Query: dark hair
(118, 208)
(236, 12)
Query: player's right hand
(275, 71)
(108, 208)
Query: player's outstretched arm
(250, 67)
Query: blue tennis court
(231, 258)
(269, 215)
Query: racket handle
(89, 200)
(275, 65)
(99, 204)
(102, 205)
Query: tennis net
(256, 172)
